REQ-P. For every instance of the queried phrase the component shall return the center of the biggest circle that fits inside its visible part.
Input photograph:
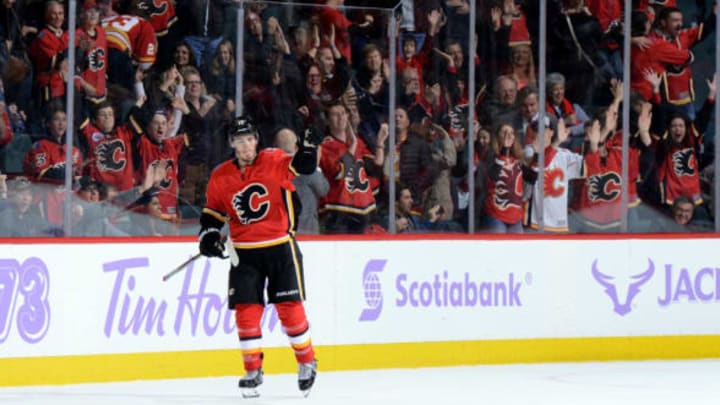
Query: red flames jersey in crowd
(46, 52)
(333, 17)
(96, 58)
(605, 11)
(504, 194)
(678, 170)
(614, 145)
(110, 155)
(599, 193)
(151, 153)
(350, 188)
(655, 57)
(678, 84)
(47, 154)
(519, 34)
(132, 34)
(161, 14)
(643, 4)
(255, 200)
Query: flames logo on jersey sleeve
(105, 156)
(684, 162)
(604, 187)
(251, 204)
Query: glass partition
(430, 113)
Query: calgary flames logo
(106, 156)
(604, 187)
(553, 183)
(251, 203)
(683, 162)
(356, 180)
(96, 59)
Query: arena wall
(83, 311)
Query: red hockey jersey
(46, 53)
(655, 57)
(46, 155)
(152, 153)
(678, 86)
(678, 171)
(161, 14)
(111, 160)
(350, 188)
(95, 67)
(504, 194)
(132, 34)
(519, 34)
(255, 200)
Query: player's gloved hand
(311, 138)
(210, 243)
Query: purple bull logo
(373, 290)
(607, 281)
(24, 296)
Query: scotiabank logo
(442, 290)
(373, 290)
(439, 290)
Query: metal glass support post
(626, 120)
(392, 55)
(69, 112)
(471, 118)
(542, 72)
(239, 57)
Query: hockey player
(252, 193)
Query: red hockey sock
(247, 319)
(293, 319)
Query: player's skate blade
(306, 377)
(248, 384)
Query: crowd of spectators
(155, 87)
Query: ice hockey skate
(306, 376)
(249, 383)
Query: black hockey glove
(211, 244)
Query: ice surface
(616, 383)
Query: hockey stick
(181, 267)
(233, 259)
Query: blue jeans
(203, 48)
(494, 225)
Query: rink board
(93, 311)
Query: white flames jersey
(563, 165)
